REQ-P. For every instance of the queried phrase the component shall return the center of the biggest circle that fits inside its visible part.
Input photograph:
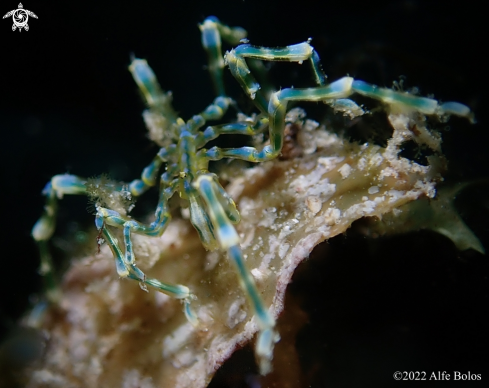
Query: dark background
(68, 104)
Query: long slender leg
(124, 270)
(212, 32)
(235, 59)
(55, 189)
(160, 119)
(421, 104)
(43, 229)
(303, 51)
(148, 177)
(212, 132)
(342, 88)
(222, 212)
(125, 263)
(155, 97)
(215, 111)
(156, 228)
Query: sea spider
(186, 160)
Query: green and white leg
(155, 97)
(424, 105)
(150, 173)
(55, 189)
(340, 89)
(222, 212)
(213, 132)
(129, 270)
(212, 31)
(126, 263)
(215, 111)
(110, 217)
(43, 229)
(236, 60)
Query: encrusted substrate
(107, 332)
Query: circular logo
(20, 17)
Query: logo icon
(20, 16)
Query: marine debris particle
(107, 332)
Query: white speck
(184, 358)
(185, 212)
(175, 341)
(330, 162)
(376, 160)
(345, 170)
(212, 258)
(257, 274)
(362, 163)
(332, 216)
(373, 189)
(282, 251)
(313, 204)
(235, 313)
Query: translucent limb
(276, 107)
(212, 132)
(161, 119)
(148, 84)
(217, 109)
(214, 111)
(223, 213)
(55, 189)
(156, 228)
(43, 229)
(421, 104)
(126, 263)
(235, 59)
(201, 221)
(339, 89)
(150, 173)
(212, 32)
(125, 270)
(138, 187)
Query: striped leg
(126, 262)
(212, 32)
(235, 59)
(222, 212)
(43, 229)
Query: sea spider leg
(303, 51)
(299, 52)
(55, 189)
(125, 263)
(126, 267)
(212, 132)
(175, 290)
(43, 229)
(236, 60)
(212, 30)
(339, 89)
(223, 214)
(421, 104)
